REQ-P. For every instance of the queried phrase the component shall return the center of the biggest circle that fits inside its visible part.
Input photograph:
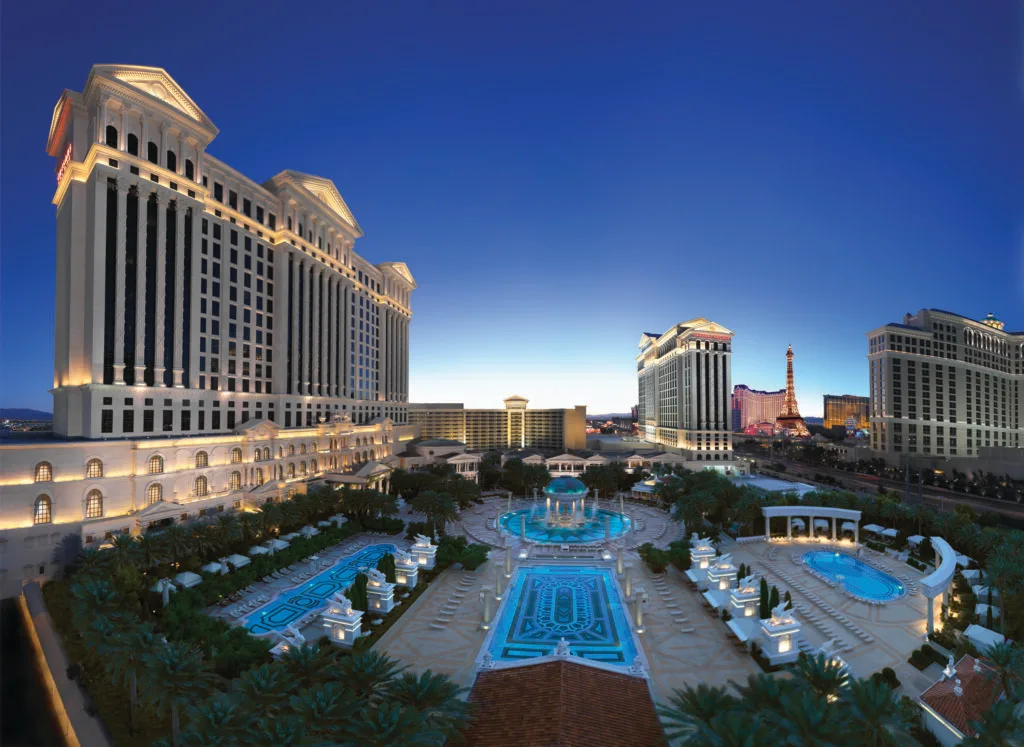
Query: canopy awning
(963, 561)
(798, 522)
(849, 526)
(276, 544)
(821, 524)
(712, 600)
(974, 574)
(892, 533)
(238, 561)
(290, 536)
(981, 610)
(159, 585)
(339, 519)
(257, 550)
(915, 539)
(324, 524)
(982, 637)
(309, 531)
(213, 568)
(738, 631)
(873, 528)
(187, 579)
(981, 592)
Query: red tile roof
(562, 704)
(981, 690)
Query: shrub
(657, 560)
(474, 556)
(679, 554)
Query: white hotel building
(684, 381)
(218, 342)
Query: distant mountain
(811, 420)
(20, 413)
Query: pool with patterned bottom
(856, 577)
(292, 604)
(547, 603)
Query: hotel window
(41, 513)
(133, 145)
(172, 161)
(44, 472)
(93, 469)
(236, 480)
(154, 494)
(156, 464)
(190, 170)
(94, 505)
(153, 153)
(236, 456)
(202, 460)
(202, 486)
(111, 136)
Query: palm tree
(390, 725)
(94, 596)
(999, 727)
(691, 708)
(178, 543)
(249, 528)
(875, 713)
(205, 540)
(762, 691)
(1006, 664)
(127, 652)
(229, 530)
(434, 696)
(269, 518)
(151, 550)
(368, 674)
(435, 507)
(220, 720)
(324, 709)
(732, 729)
(279, 731)
(825, 676)
(91, 559)
(804, 719)
(1003, 573)
(123, 550)
(265, 687)
(175, 676)
(309, 665)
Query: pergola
(815, 516)
(939, 581)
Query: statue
(950, 670)
(422, 541)
(779, 612)
(487, 661)
(344, 604)
(562, 648)
(375, 577)
(403, 558)
(724, 560)
(296, 635)
(638, 667)
(748, 582)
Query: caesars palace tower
(217, 341)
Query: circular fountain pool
(564, 527)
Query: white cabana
(738, 631)
(981, 610)
(324, 524)
(290, 536)
(963, 561)
(798, 522)
(890, 533)
(873, 528)
(974, 574)
(848, 526)
(982, 637)
(213, 568)
(821, 524)
(309, 531)
(187, 579)
(339, 519)
(915, 540)
(237, 561)
(712, 600)
(276, 544)
(257, 550)
(163, 583)
(981, 592)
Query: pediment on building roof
(323, 190)
(566, 458)
(700, 324)
(261, 428)
(401, 269)
(156, 83)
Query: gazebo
(821, 517)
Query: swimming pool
(292, 604)
(547, 603)
(590, 529)
(856, 577)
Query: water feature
(856, 577)
(588, 526)
(292, 604)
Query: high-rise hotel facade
(684, 382)
(754, 406)
(217, 341)
(943, 386)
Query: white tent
(798, 522)
(981, 610)
(821, 524)
(276, 544)
(974, 574)
(213, 568)
(915, 539)
(257, 550)
(290, 536)
(873, 528)
(158, 587)
(338, 519)
(187, 579)
(982, 637)
(891, 533)
(324, 524)
(309, 531)
(963, 561)
(849, 526)
(237, 561)
(981, 592)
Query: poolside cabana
(890, 533)
(914, 540)
(290, 536)
(324, 524)
(214, 568)
(848, 526)
(309, 531)
(873, 529)
(798, 523)
(237, 561)
(982, 610)
(339, 519)
(257, 550)
(820, 517)
(187, 579)
(963, 561)
(982, 637)
(276, 544)
(972, 575)
(981, 592)
(821, 524)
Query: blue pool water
(857, 577)
(313, 594)
(547, 603)
(591, 530)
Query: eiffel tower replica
(789, 420)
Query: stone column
(508, 561)
(485, 595)
(499, 579)
(638, 613)
(179, 290)
(931, 614)
(307, 335)
(789, 527)
(833, 528)
(767, 528)
(607, 527)
(618, 560)
(522, 527)
(629, 581)
(314, 313)
(296, 272)
(140, 288)
(119, 317)
(162, 201)
(856, 532)
(196, 250)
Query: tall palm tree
(733, 729)
(175, 676)
(437, 508)
(825, 676)
(309, 665)
(126, 662)
(177, 542)
(280, 731)
(999, 727)
(368, 674)
(324, 709)
(691, 708)
(123, 550)
(1006, 663)
(763, 691)
(805, 719)
(435, 696)
(94, 596)
(220, 721)
(1004, 573)
(150, 550)
(270, 518)
(205, 541)
(249, 528)
(390, 725)
(229, 529)
(266, 687)
(875, 714)
(90, 559)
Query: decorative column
(119, 317)
(789, 527)
(314, 329)
(485, 597)
(307, 336)
(628, 581)
(499, 579)
(162, 201)
(833, 528)
(196, 249)
(296, 272)
(179, 289)
(607, 527)
(767, 529)
(522, 527)
(508, 561)
(618, 560)
(931, 613)
(140, 287)
(856, 532)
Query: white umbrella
(187, 579)
(257, 550)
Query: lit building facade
(839, 408)
(218, 342)
(944, 386)
(684, 388)
(753, 406)
(517, 426)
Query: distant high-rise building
(839, 408)
(683, 379)
(753, 406)
(943, 385)
(789, 419)
(514, 427)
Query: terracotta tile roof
(562, 704)
(980, 691)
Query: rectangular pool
(292, 604)
(547, 603)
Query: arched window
(259, 475)
(302, 449)
(133, 144)
(236, 456)
(41, 510)
(44, 472)
(266, 453)
(291, 450)
(172, 160)
(154, 494)
(256, 455)
(152, 153)
(236, 480)
(313, 465)
(291, 470)
(280, 452)
(94, 504)
(112, 136)
(190, 169)
(202, 486)
(303, 468)
(93, 468)
(202, 460)
(156, 464)
(315, 447)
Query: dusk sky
(561, 177)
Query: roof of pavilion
(561, 703)
(980, 691)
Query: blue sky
(560, 180)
